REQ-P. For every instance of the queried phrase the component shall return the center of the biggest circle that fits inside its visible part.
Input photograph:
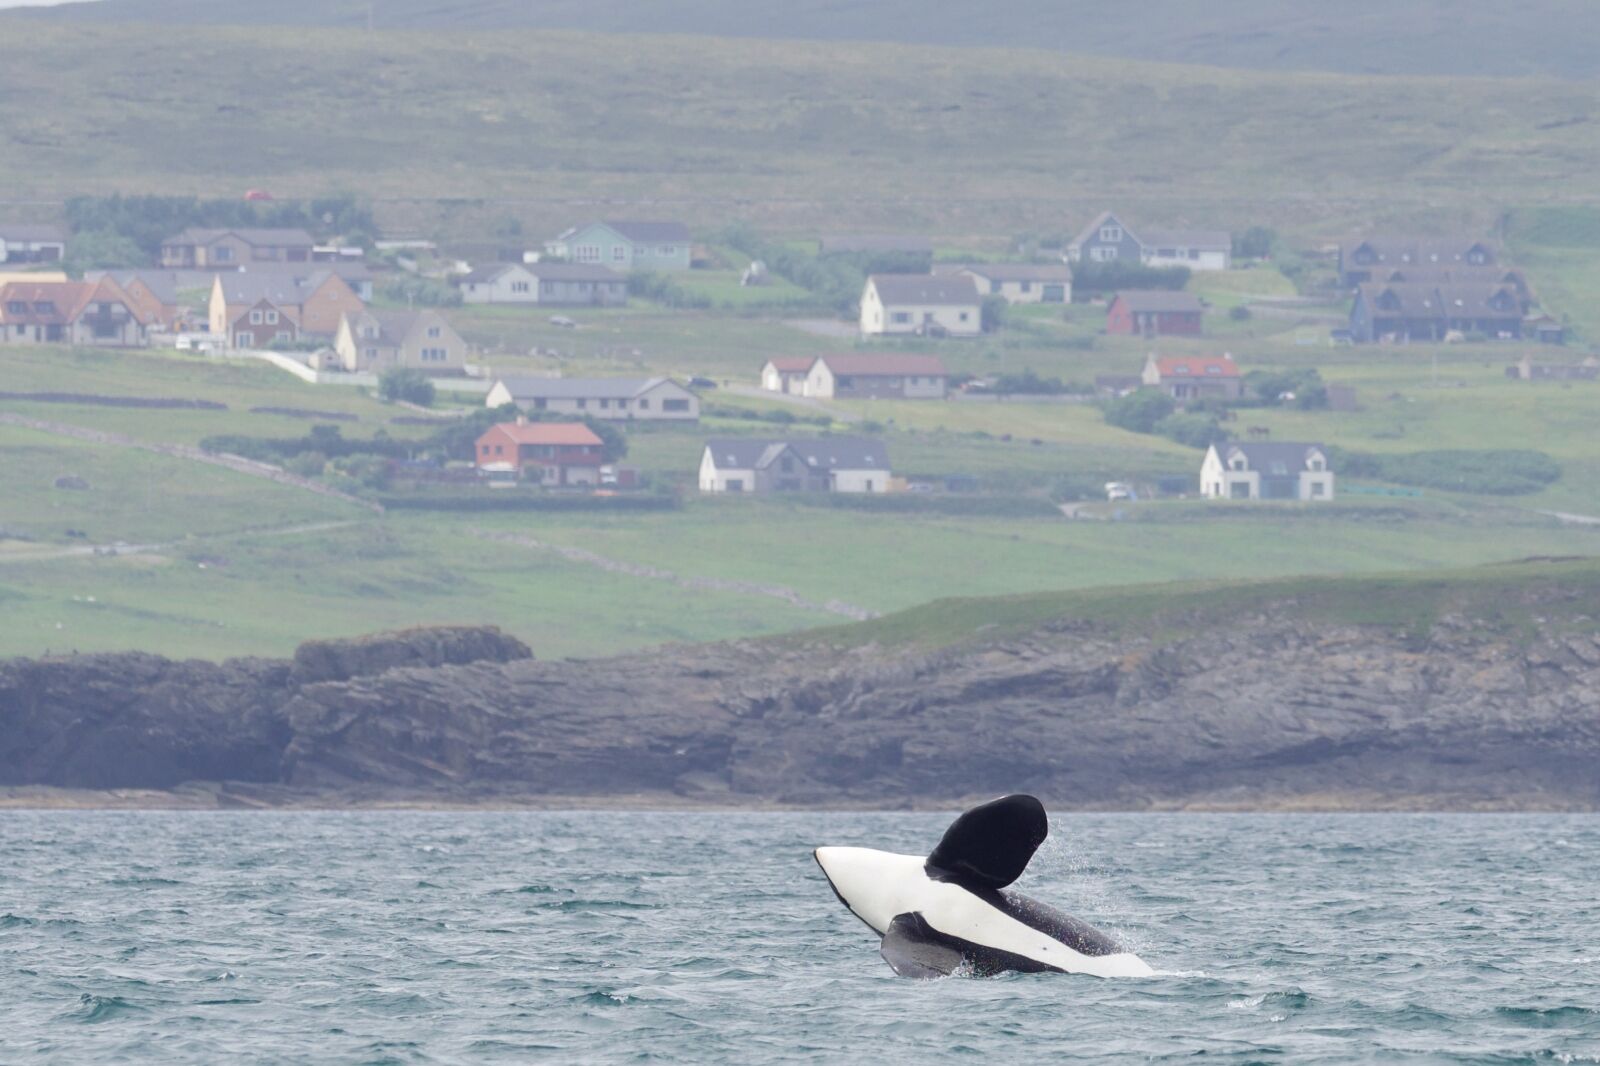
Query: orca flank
(951, 912)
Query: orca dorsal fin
(913, 950)
(990, 845)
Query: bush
(325, 440)
(992, 313)
(147, 221)
(664, 290)
(404, 383)
(415, 291)
(1029, 383)
(368, 471)
(1140, 410)
(1239, 313)
(1272, 385)
(1491, 473)
(1101, 278)
(307, 464)
(1195, 430)
(1254, 243)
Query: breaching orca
(951, 911)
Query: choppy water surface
(513, 937)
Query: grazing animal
(951, 912)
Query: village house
(554, 454)
(876, 375)
(1277, 471)
(1407, 312)
(1023, 283)
(787, 374)
(655, 399)
(1197, 377)
(1154, 313)
(625, 246)
(922, 305)
(798, 464)
(1458, 275)
(86, 313)
(551, 284)
(1108, 240)
(376, 341)
(257, 309)
(1362, 259)
(153, 293)
(1525, 369)
(28, 242)
(231, 249)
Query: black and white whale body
(950, 911)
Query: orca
(951, 912)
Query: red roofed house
(1154, 314)
(881, 375)
(787, 373)
(1196, 377)
(93, 314)
(551, 453)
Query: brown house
(93, 314)
(1155, 313)
(1199, 377)
(235, 249)
(259, 308)
(556, 454)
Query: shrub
(1239, 313)
(1254, 243)
(1140, 410)
(1101, 278)
(1508, 472)
(404, 383)
(992, 313)
(1195, 430)
(414, 291)
(1272, 385)
(663, 290)
(369, 471)
(307, 464)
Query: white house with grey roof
(30, 242)
(921, 305)
(1266, 471)
(1023, 283)
(657, 399)
(795, 464)
(549, 284)
(1107, 239)
(625, 246)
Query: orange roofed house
(552, 453)
(96, 314)
(1198, 377)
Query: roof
(885, 364)
(484, 275)
(572, 272)
(253, 236)
(1210, 239)
(639, 232)
(579, 388)
(1148, 301)
(163, 284)
(31, 231)
(818, 453)
(833, 243)
(280, 287)
(924, 289)
(1402, 248)
(1021, 271)
(64, 298)
(1458, 298)
(1270, 458)
(1094, 225)
(792, 364)
(1197, 366)
(568, 433)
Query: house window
(582, 404)
(995, 286)
(434, 332)
(667, 249)
(735, 484)
(44, 307)
(1102, 255)
(519, 286)
(1237, 463)
(222, 253)
(282, 336)
(255, 318)
(587, 253)
(644, 404)
(16, 307)
(1317, 489)
(271, 318)
(1111, 234)
(540, 404)
(674, 405)
(244, 340)
(619, 254)
(964, 316)
(900, 317)
(604, 403)
(1315, 464)
(1027, 286)
(371, 353)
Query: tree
(1140, 410)
(404, 383)
(1254, 243)
(102, 249)
(612, 440)
(992, 315)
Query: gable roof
(255, 236)
(1402, 248)
(1157, 301)
(924, 288)
(31, 232)
(64, 298)
(820, 454)
(280, 287)
(580, 388)
(884, 364)
(1458, 298)
(1020, 271)
(1093, 228)
(572, 272)
(792, 364)
(638, 232)
(1272, 457)
(486, 274)
(561, 433)
(1197, 366)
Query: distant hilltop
(1465, 690)
(1546, 38)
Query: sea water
(579, 937)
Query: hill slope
(961, 140)
(1460, 37)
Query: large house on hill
(796, 464)
(1108, 239)
(1419, 312)
(1154, 313)
(1362, 260)
(921, 304)
(555, 454)
(1260, 471)
(262, 308)
(1194, 377)
(231, 249)
(657, 399)
(95, 314)
(372, 342)
(29, 242)
(550, 284)
(625, 246)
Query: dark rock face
(1260, 711)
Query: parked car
(563, 321)
(702, 383)
(1117, 490)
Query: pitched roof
(1094, 227)
(1020, 271)
(833, 243)
(1456, 298)
(485, 274)
(1208, 239)
(1155, 301)
(31, 231)
(64, 299)
(567, 433)
(924, 288)
(1212, 366)
(792, 364)
(818, 453)
(280, 287)
(1280, 457)
(1402, 248)
(252, 235)
(579, 388)
(572, 272)
(884, 364)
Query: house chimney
(522, 420)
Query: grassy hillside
(1461, 37)
(972, 143)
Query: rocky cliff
(1456, 692)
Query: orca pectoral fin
(913, 950)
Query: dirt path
(236, 463)
(699, 584)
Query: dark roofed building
(1154, 313)
(882, 375)
(1107, 239)
(32, 242)
(1266, 471)
(1361, 259)
(1416, 312)
(796, 464)
(1023, 283)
